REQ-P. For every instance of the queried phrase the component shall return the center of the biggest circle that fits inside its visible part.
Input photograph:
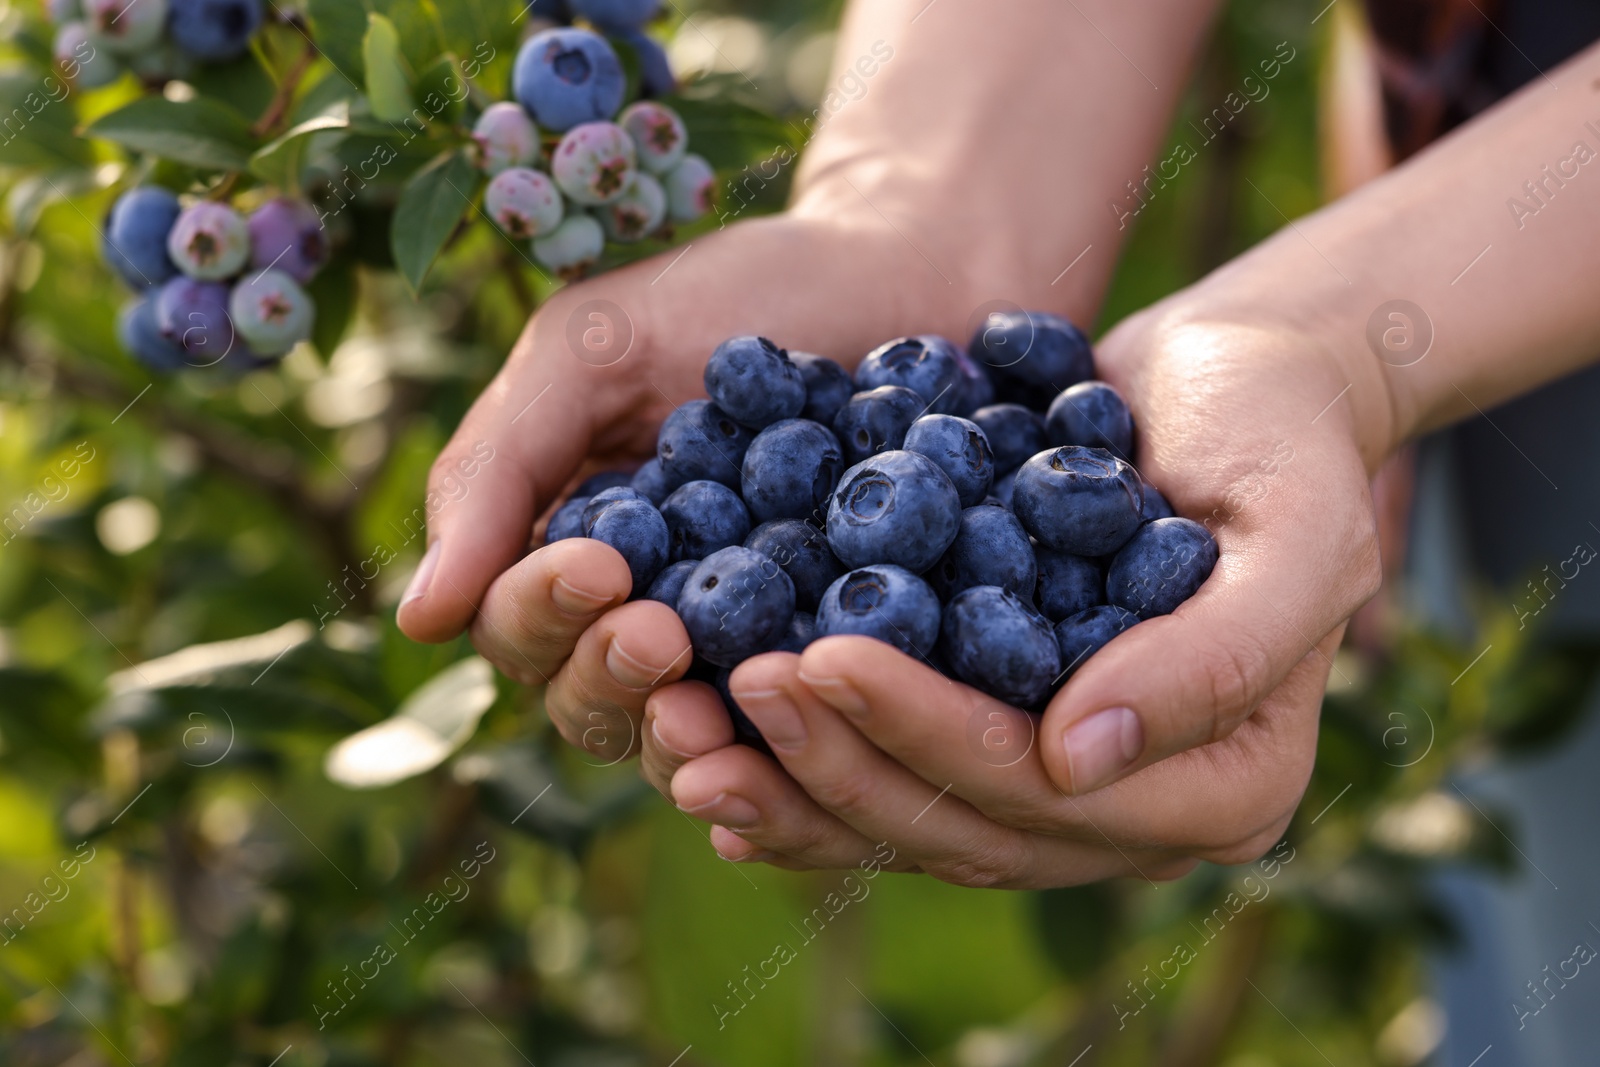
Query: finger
(516, 448)
(534, 613)
(597, 697)
(735, 849)
(887, 803)
(682, 721)
(744, 791)
(1289, 572)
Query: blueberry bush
(256, 259)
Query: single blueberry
(1080, 500)
(1091, 414)
(958, 448)
(213, 30)
(134, 240)
(754, 381)
(790, 469)
(141, 336)
(567, 521)
(736, 604)
(801, 549)
(1161, 567)
(802, 631)
(566, 77)
(886, 602)
(1155, 505)
(617, 14)
(601, 481)
(1082, 635)
(702, 517)
(744, 731)
(669, 584)
(927, 365)
(1067, 584)
(651, 482)
(897, 507)
(1015, 435)
(995, 642)
(655, 69)
(604, 499)
(636, 529)
(1033, 348)
(828, 386)
(876, 421)
(991, 548)
(700, 442)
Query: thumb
(1286, 577)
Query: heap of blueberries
(156, 39)
(212, 284)
(625, 179)
(1002, 543)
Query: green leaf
(36, 121)
(431, 205)
(334, 292)
(199, 132)
(731, 136)
(433, 722)
(338, 27)
(441, 91)
(280, 161)
(388, 84)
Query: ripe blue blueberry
(567, 521)
(959, 449)
(876, 421)
(600, 481)
(573, 247)
(691, 189)
(135, 236)
(1082, 635)
(505, 137)
(594, 163)
(655, 70)
(1067, 584)
(209, 241)
(754, 381)
(700, 441)
(704, 517)
(896, 507)
(637, 530)
(659, 136)
(652, 483)
(1161, 567)
(126, 26)
(994, 641)
(214, 30)
(802, 631)
(801, 549)
(1033, 348)
(616, 14)
(990, 548)
(194, 315)
(523, 202)
(790, 469)
(976, 389)
(86, 66)
(669, 584)
(744, 731)
(638, 213)
(926, 365)
(557, 11)
(271, 312)
(1080, 500)
(1091, 414)
(287, 234)
(1156, 506)
(141, 337)
(882, 601)
(566, 77)
(1015, 434)
(1003, 489)
(736, 604)
(603, 499)
(828, 386)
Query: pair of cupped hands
(1190, 737)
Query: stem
(1201, 1030)
(519, 284)
(273, 116)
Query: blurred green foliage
(182, 645)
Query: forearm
(1504, 273)
(994, 137)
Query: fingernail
(629, 671)
(838, 693)
(574, 601)
(1102, 746)
(727, 809)
(418, 588)
(676, 750)
(754, 857)
(776, 716)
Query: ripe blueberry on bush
(828, 386)
(637, 213)
(1080, 500)
(194, 315)
(959, 449)
(701, 441)
(876, 421)
(1164, 564)
(1015, 434)
(616, 14)
(737, 603)
(523, 202)
(572, 247)
(990, 548)
(801, 549)
(214, 30)
(287, 234)
(995, 642)
(691, 189)
(637, 530)
(754, 381)
(704, 517)
(896, 507)
(655, 71)
(566, 77)
(505, 137)
(1094, 415)
(209, 241)
(926, 365)
(659, 137)
(1082, 635)
(139, 333)
(135, 235)
(271, 312)
(882, 601)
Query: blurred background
(196, 610)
